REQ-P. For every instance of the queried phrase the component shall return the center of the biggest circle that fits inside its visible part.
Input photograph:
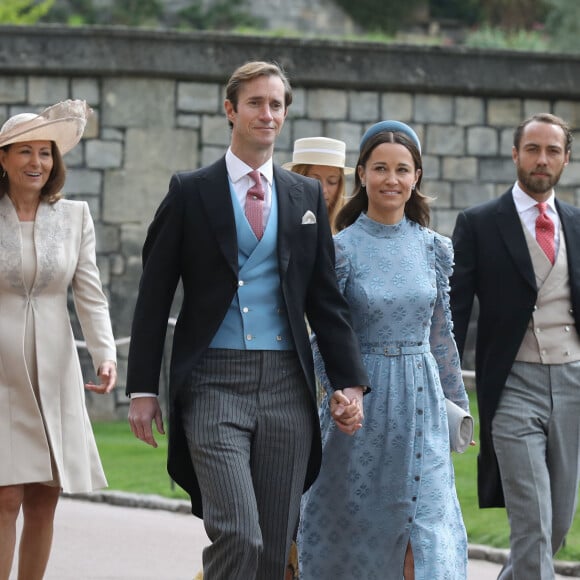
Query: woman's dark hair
(416, 209)
(52, 190)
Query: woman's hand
(108, 376)
(346, 408)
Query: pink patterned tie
(255, 203)
(545, 231)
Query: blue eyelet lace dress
(393, 481)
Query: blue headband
(394, 127)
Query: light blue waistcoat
(256, 318)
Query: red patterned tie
(255, 203)
(545, 231)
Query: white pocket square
(308, 218)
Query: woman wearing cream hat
(48, 246)
(323, 159)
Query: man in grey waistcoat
(520, 256)
(252, 246)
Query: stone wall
(158, 102)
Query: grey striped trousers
(249, 422)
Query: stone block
(45, 91)
(132, 238)
(103, 154)
(112, 134)
(151, 157)
(12, 89)
(433, 109)
(571, 174)
(482, 141)
(459, 168)
(83, 181)
(569, 111)
(443, 221)
(198, 98)
(87, 89)
(327, 104)
(107, 238)
(506, 142)
(444, 140)
(363, 105)
(468, 194)
(215, 130)
(504, 112)
(123, 290)
(188, 121)
(75, 157)
(440, 191)
(496, 171)
(396, 106)
(155, 106)
(306, 128)
(116, 264)
(431, 168)
(535, 106)
(469, 111)
(211, 154)
(350, 133)
(298, 107)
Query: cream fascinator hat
(63, 123)
(319, 151)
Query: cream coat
(64, 241)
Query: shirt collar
(524, 202)
(237, 169)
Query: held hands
(142, 412)
(108, 376)
(346, 408)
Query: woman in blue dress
(384, 505)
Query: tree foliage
(513, 14)
(563, 25)
(23, 11)
(387, 16)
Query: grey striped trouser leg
(536, 436)
(249, 423)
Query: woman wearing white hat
(48, 245)
(323, 159)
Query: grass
(132, 466)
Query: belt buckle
(391, 350)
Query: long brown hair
(416, 208)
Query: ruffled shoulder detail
(443, 256)
(342, 259)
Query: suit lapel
(214, 192)
(289, 192)
(510, 228)
(571, 231)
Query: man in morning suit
(520, 255)
(255, 256)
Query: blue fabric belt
(394, 349)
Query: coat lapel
(216, 197)
(510, 228)
(289, 192)
(571, 231)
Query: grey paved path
(100, 541)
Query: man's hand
(142, 412)
(346, 408)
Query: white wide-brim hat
(63, 123)
(319, 151)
